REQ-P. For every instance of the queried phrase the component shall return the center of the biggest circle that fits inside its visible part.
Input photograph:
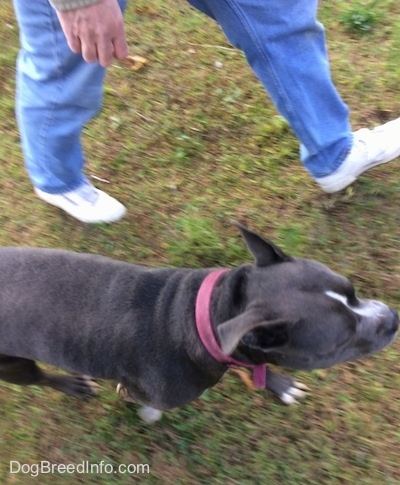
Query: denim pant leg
(57, 93)
(285, 46)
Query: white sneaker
(370, 148)
(86, 203)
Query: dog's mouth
(394, 329)
(395, 322)
(394, 336)
(389, 327)
(291, 362)
(347, 351)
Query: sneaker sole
(344, 182)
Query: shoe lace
(88, 193)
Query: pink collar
(206, 332)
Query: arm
(93, 28)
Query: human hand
(97, 31)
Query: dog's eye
(350, 293)
(352, 297)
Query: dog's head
(299, 314)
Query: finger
(120, 47)
(105, 53)
(74, 44)
(89, 51)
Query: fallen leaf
(135, 62)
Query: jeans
(57, 93)
(285, 46)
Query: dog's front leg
(146, 413)
(287, 389)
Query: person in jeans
(60, 78)
(66, 46)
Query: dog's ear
(269, 336)
(254, 331)
(263, 251)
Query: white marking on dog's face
(367, 308)
(337, 296)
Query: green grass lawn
(189, 142)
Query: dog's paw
(294, 393)
(287, 389)
(149, 415)
(146, 413)
(77, 386)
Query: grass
(189, 142)
(361, 17)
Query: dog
(166, 335)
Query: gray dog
(166, 335)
